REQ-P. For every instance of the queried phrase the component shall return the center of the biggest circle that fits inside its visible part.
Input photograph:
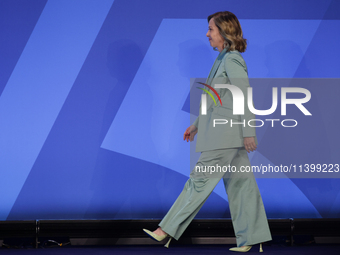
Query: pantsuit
(245, 203)
(223, 145)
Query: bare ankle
(160, 231)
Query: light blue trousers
(245, 203)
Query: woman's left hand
(249, 144)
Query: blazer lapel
(213, 71)
(215, 67)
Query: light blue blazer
(229, 68)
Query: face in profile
(215, 38)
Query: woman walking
(222, 145)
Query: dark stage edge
(178, 250)
(44, 233)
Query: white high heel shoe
(158, 238)
(244, 248)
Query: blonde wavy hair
(230, 29)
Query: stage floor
(314, 249)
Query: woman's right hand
(190, 133)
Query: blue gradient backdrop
(94, 102)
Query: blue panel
(40, 84)
(111, 146)
(17, 20)
(321, 59)
(277, 55)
